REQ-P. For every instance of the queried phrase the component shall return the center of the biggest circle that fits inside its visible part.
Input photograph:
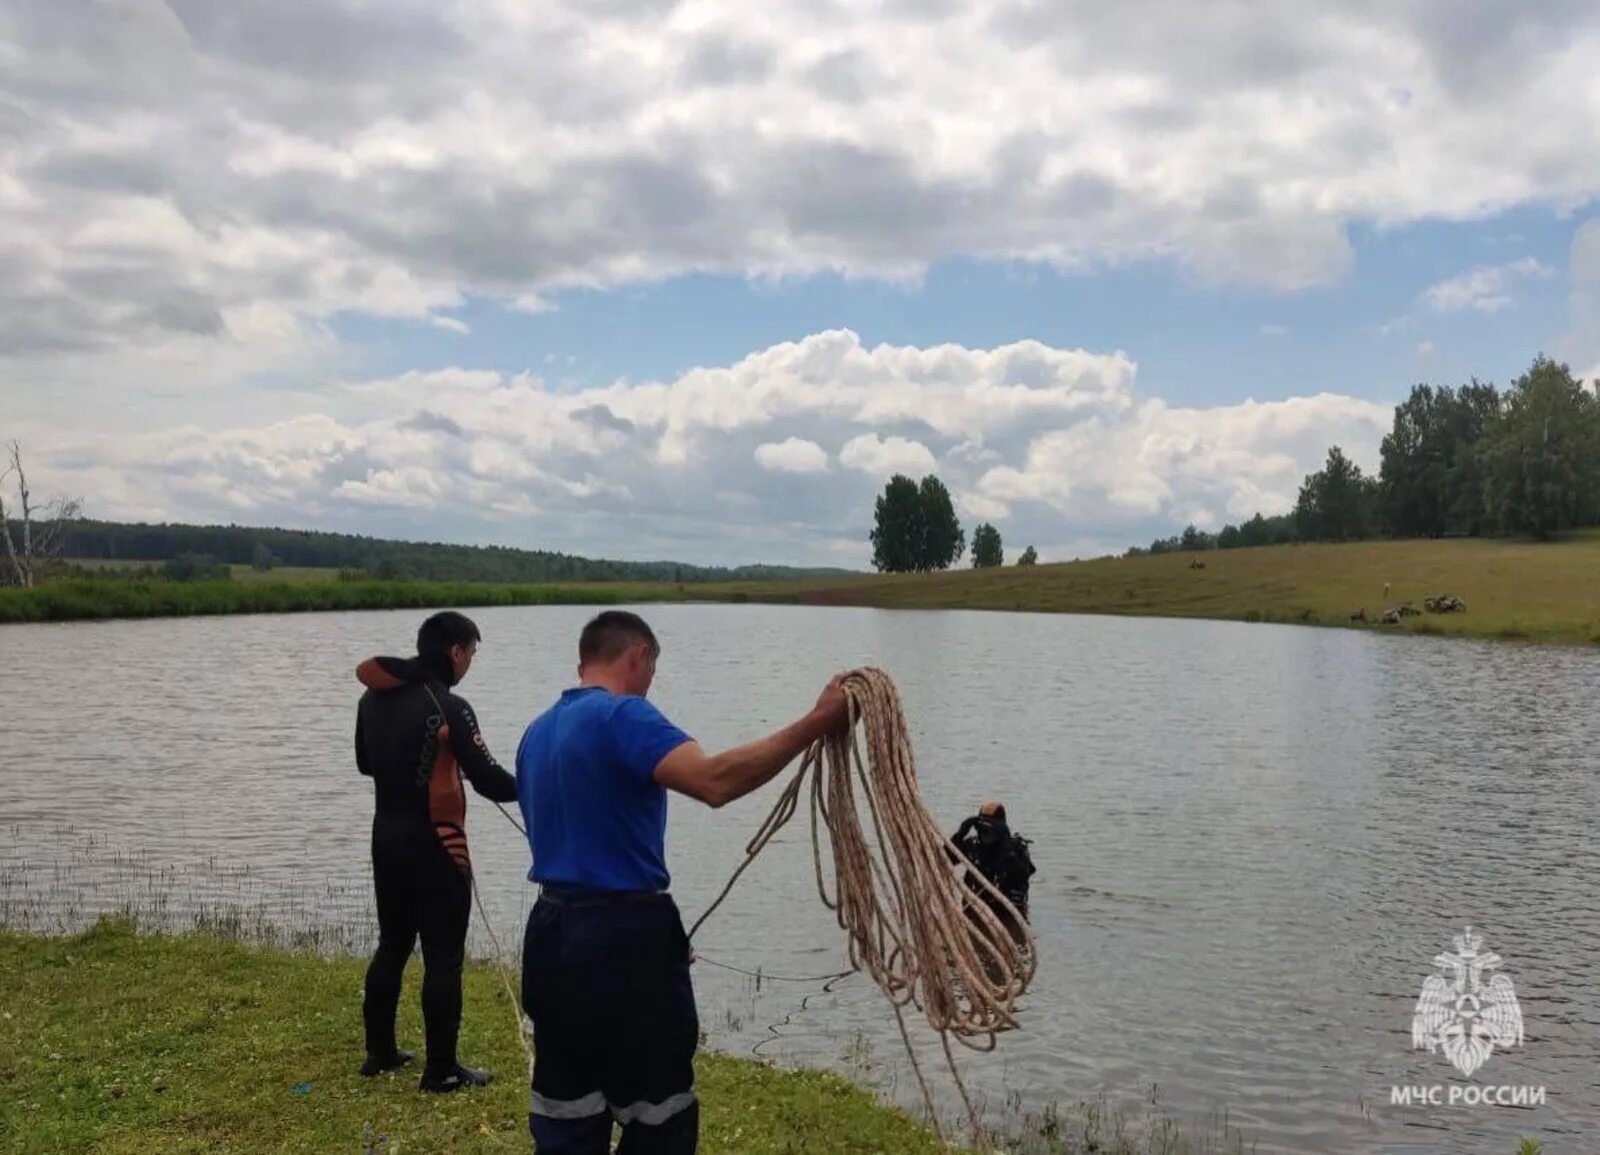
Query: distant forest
(205, 546)
(1467, 462)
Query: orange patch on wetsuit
(374, 676)
(447, 804)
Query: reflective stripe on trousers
(650, 1114)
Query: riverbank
(111, 1042)
(118, 1042)
(89, 599)
(1534, 591)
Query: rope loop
(931, 931)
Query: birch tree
(33, 533)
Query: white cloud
(1180, 464)
(450, 324)
(1425, 349)
(1584, 257)
(1582, 342)
(1051, 445)
(531, 303)
(870, 453)
(1274, 330)
(795, 455)
(391, 159)
(1486, 288)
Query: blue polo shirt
(595, 816)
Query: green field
(83, 599)
(113, 1042)
(1546, 591)
(1539, 591)
(283, 573)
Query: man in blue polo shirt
(605, 960)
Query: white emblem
(1464, 1014)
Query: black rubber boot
(442, 1083)
(377, 1065)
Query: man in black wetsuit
(416, 739)
(1002, 855)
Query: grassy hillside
(1542, 591)
(99, 544)
(81, 599)
(1538, 591)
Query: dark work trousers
(420, 892)
(605, 981)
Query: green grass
(284, 573)
(112, 1042)
(1548, 592)
(1544, 592)
(76, 599)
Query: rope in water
(914, 923)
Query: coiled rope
(915, 924)
(915, 912)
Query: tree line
(915, 530)
(189, 552)
(1469, 461)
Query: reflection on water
(1252, 840)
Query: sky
(648, 279)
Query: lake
(1252, 840)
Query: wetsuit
(416, 739)
(1001, 855)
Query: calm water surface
(1252, 840)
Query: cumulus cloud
(1486, 288)
(166, 174)
(1202, 465)
(794, 455)
(195, 195)
(730, 463)
(1584, 256)
(873, 454)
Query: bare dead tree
(42, 527)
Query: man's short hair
(609, 633)
(443, 631)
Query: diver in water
(416, 739)
(1000, 854)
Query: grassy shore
(112, 1042)
(1547, 592)
(85, 598)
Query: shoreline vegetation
(1534, 591)
(120, 1040)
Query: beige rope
(524, 1030)
(914, 924)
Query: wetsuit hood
(387, 673)
(992, 830)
